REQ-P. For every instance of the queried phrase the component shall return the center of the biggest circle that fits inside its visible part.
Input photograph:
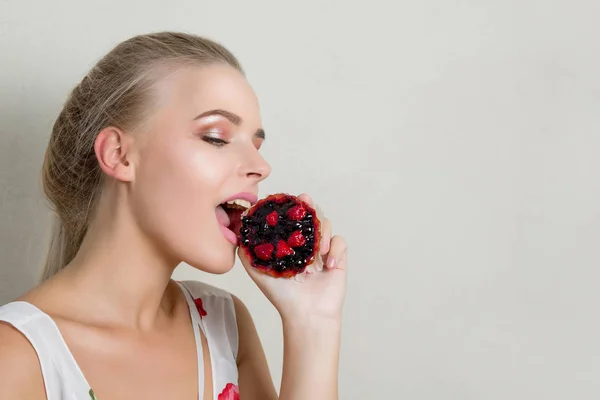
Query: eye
(218, 142)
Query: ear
(112, 148)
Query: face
(200, 151)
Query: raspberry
(283, 250)
(297, 213)
(264, 251)
(272, 218)
(296, 239)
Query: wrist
(311, 323)
(309, 315)
(311, 357)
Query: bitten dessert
(280, 235)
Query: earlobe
(111, 151)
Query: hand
(319, 295)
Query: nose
(255, 166)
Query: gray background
(454, 143)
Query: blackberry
(280, 235)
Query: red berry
(297, 213)
(264, 251)
(283, 250)
(272, 218)
(296, 239)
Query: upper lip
(250, 197)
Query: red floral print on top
(231, 392)
(200, 308)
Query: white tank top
(211, 310)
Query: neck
(120, 275)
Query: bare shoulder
(20, 372)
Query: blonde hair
(116, 92)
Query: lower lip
(229, 235)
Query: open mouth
(229, 215)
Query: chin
(220, 263)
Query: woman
(160, 133)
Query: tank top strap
(216, 317)
(63, 379)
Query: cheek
(181, 182)
(174, 203)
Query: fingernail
(331, 262)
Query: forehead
(193, 90)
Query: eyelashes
(215, 141)
(209, 138)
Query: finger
(343, 263)
(337, 252)
(307, 199)
(325, 236)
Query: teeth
(239, 203)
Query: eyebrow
(231, 117)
